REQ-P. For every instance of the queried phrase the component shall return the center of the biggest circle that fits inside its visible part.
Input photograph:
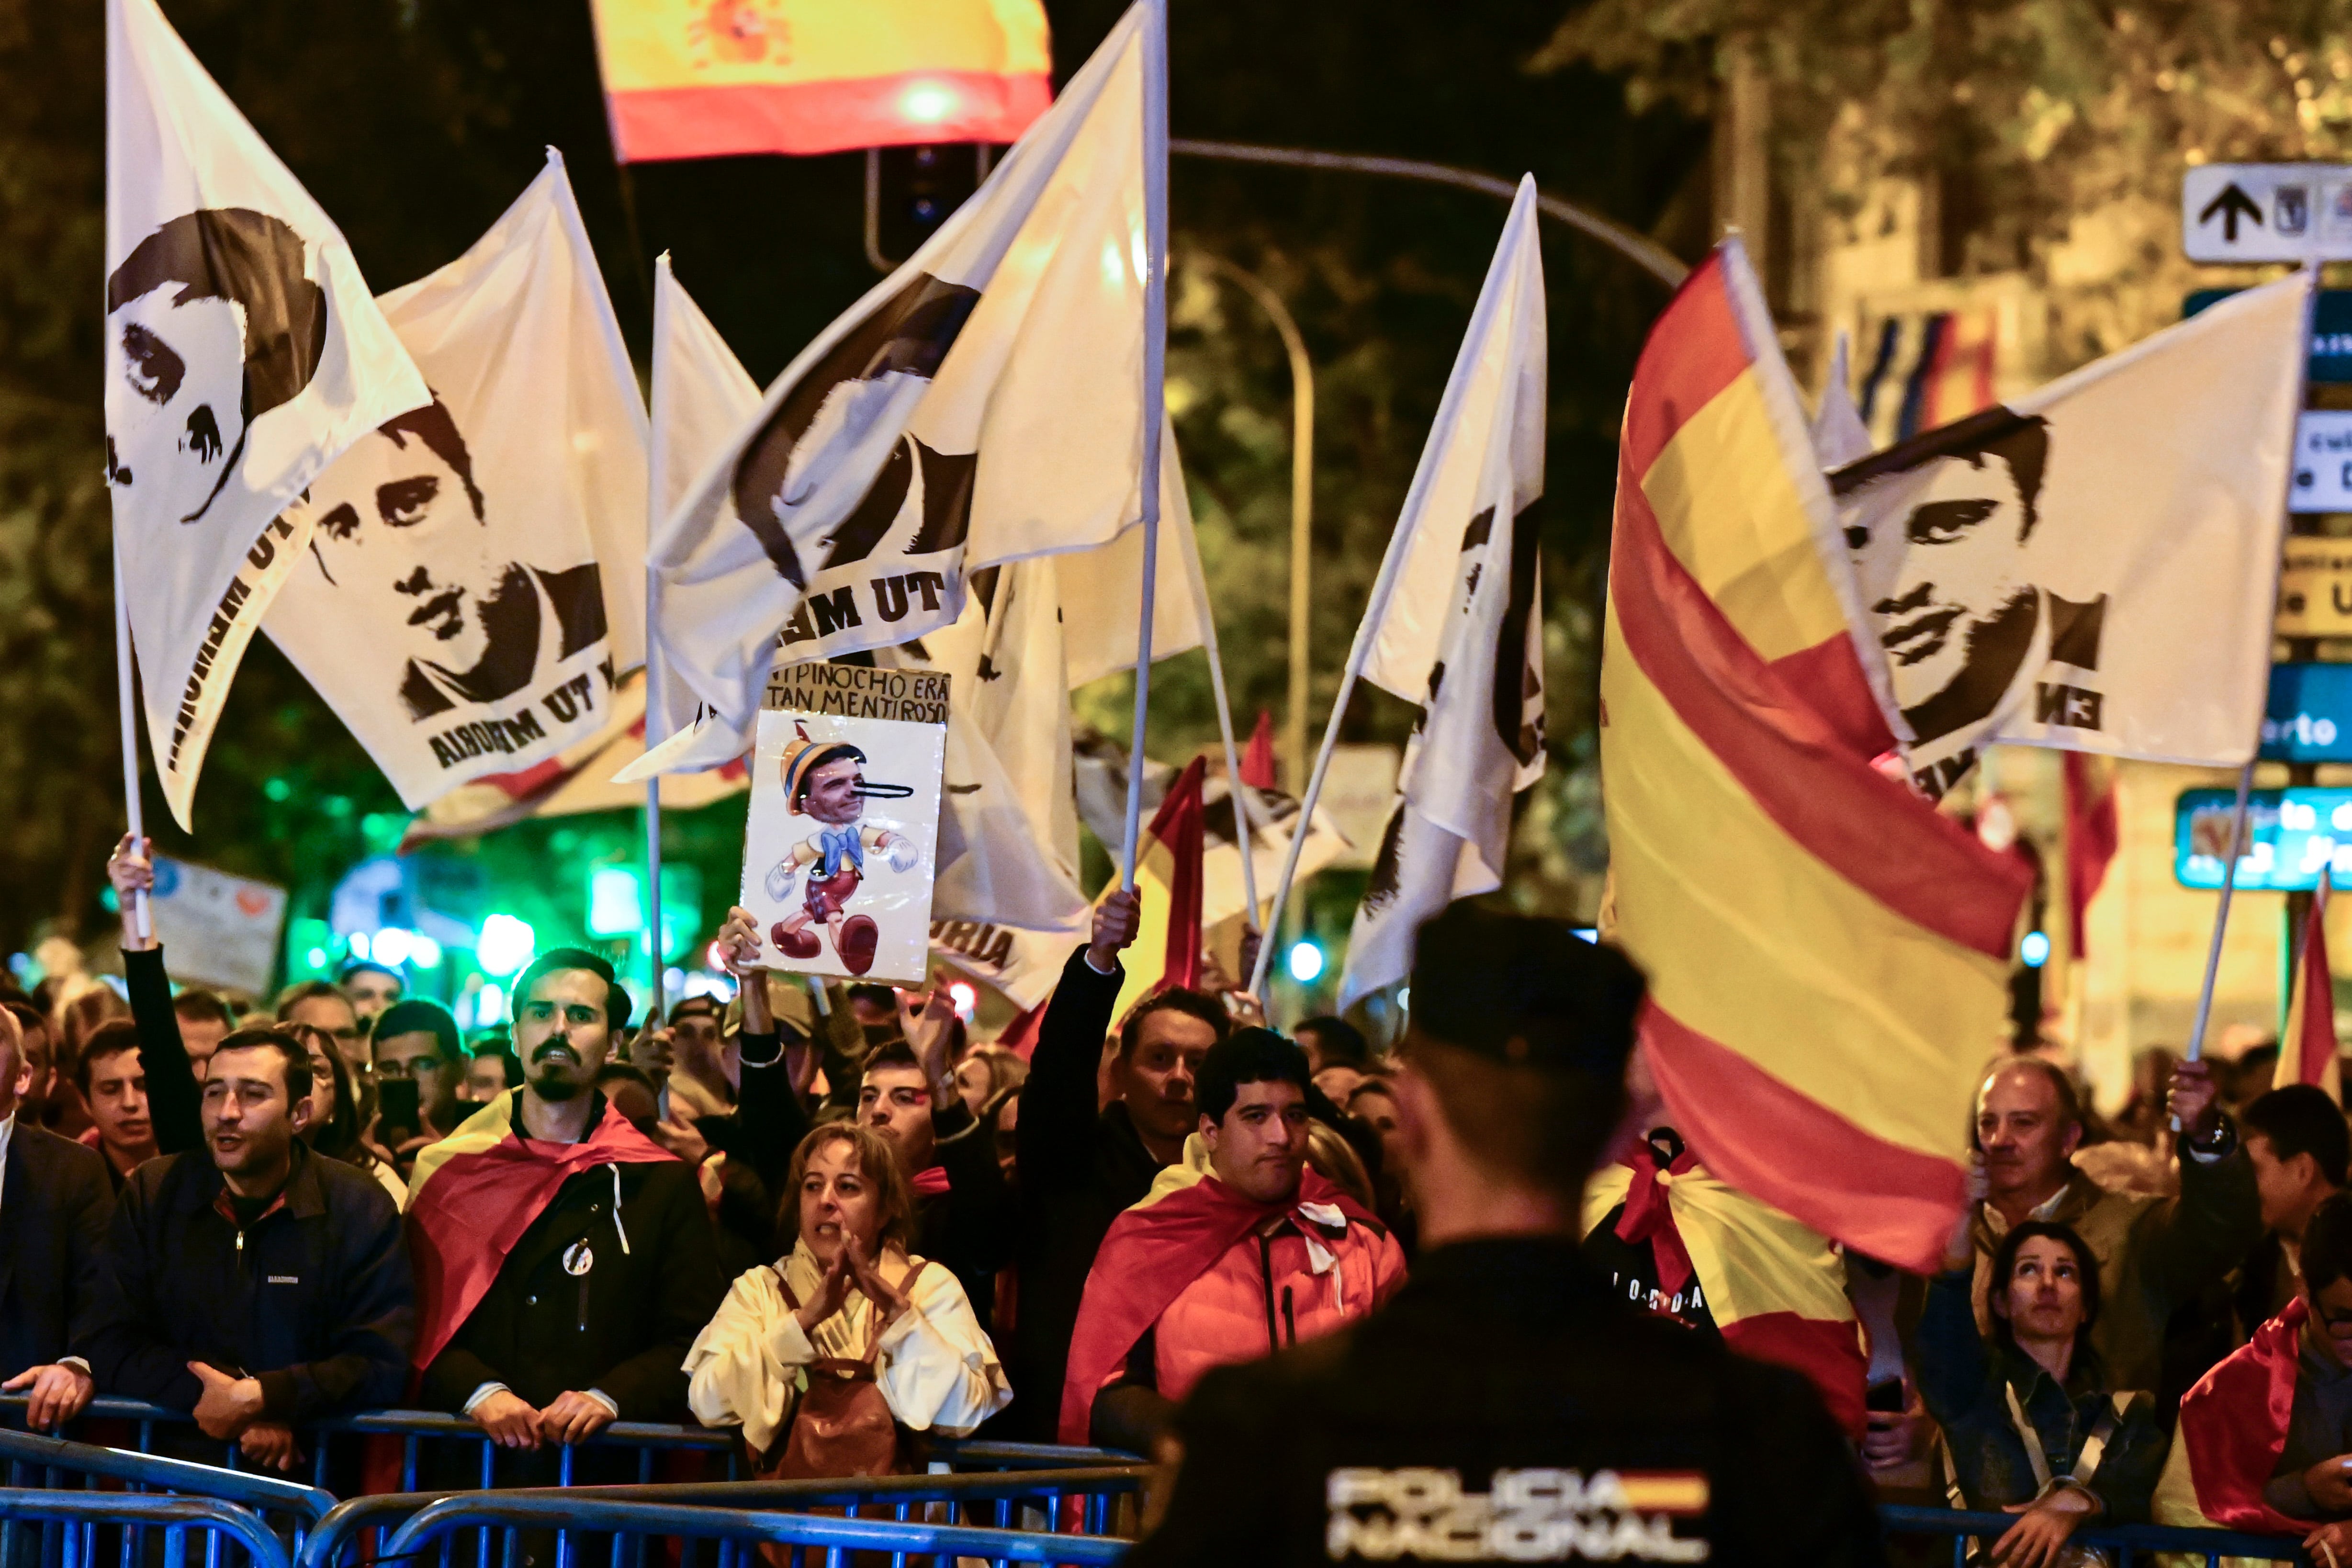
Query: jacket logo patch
(1530, 1516)
(578, 1259)
(286, 1279)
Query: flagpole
(2246, 773)
(137, 916)
(1155, 365)
(1239, 793)
(657, 721)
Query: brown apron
(842, 1425)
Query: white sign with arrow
(2267, 212)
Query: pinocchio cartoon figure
(826, 780)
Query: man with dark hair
(371, 986)
(1937, 527)
(490, 1071)
(402, 542)
(35, 1041)
(212, 321)
(1505, 1402)
(417, 1039)
(2297, 1143)
(55, 1205)
(1333, 1042)
(1080, 1163)
(113, 1083)
(2155, 1253)
(205, 1023)
(565, 1260)
(256, 1286)
(1238, 1251)
(322, 1005)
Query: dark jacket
(1078, 1166)
(55, 1205)
(1964, 1381)
(174, 1100)
(1498, 1359)
(621, 1324)
(315, 1300)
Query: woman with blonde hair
(829, 1359)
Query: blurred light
(714, 957)
(719, 985)
(1590, 933)
(489, 1006)
(674, 980)
(1404, 998)
(926, 102)
(423, 950)
(316, 958)
(1306, 962)
(965, 999)
(2034, 951)
(616, 905)
(391, 945)
(505, 946)
(276, 789)
(359, 945)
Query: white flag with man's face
(242, 354)
(1462, 631)
(984, 404)
(2094, 567)
(474, 579)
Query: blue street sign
(2309, 716)
(2331, 329)
(2290, 834)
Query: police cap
(1524, 990)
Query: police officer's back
(1505, 1407)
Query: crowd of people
(825, 1218)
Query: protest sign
(219, 930)
(840, 852)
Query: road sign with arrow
(2267, 212)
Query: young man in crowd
(254, 1284)
(1237, 1252)
(324, 1007)
(113, 1084)
(1081, 1164)
(2154, 1253)
(700, 1075)
(564, 1261)
(490, 1071)
(55, 1205)
(418, 1040)
(371, 987)
(205, 1023)
(2297, 1143)
(1506, 1362)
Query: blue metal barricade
(355, 1531)
(2125, 1544)
(69, 1524)
(513, 1512)
(31, 1463)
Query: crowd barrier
(2126, 1544)
(67, 1525)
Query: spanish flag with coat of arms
(1828, 957)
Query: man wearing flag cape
(564, 1262)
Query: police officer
(1506, 1405)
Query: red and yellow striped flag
(1828, 957)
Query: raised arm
(2201, 1234)
(1056, 1133)
(173, 1101)
(770, 1120)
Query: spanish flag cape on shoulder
(1151, 1253)
(475, 1192)
(1828, 957)
(1775, 1288)
(2232, 1431)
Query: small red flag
(1257, 763)
(1177, 833)
(2091, 835)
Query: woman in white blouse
(848, 1288)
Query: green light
(506, 944)
(617, 901)
(276, 789)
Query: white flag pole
(1360, 652)
(136, 917)
(1244, 797)
(656, 720)
(1155, 365)
(2246, 774)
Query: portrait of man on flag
(405, 541)
(212, 321)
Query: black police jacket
(1505, 1407)
(571, 1310)
(314, 1299)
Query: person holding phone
(419, 1064)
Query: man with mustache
(564, 1261)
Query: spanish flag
(474, 1193)
(2232, 1430)
(2307, 1048)
(1775, 1288)
(1828, 957)
(702, 78)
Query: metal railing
(70, 1523)
(34, 1465)
(356, 1530)
(512, 1512)
(2126, 1543)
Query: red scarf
(2234, 1423)
(1649, 1218)
(1149, 1255)
(473, 1203)
(929, 1182)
